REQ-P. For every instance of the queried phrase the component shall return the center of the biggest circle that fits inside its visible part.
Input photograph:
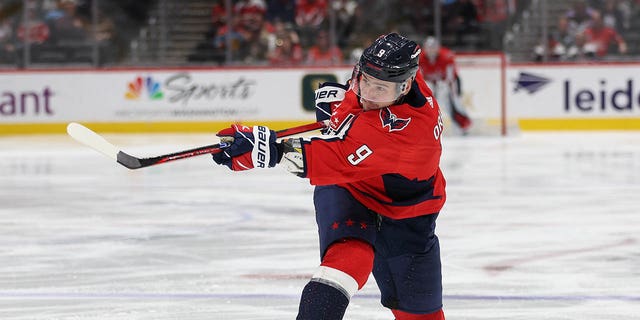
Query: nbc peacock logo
(136, 88)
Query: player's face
(370, 105)
(375, 93)
(432, 53)
(431, 48)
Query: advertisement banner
(598, 96)
(604, 96)
(227, 95)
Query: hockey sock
(321, 301)
(401, 315)
(463, 121)
(351, 256)
(345, 268)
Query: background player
(438, 67)
(379, 187)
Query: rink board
(575, 97)
(181, 100)
(538, 97)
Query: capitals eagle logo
(391, 120)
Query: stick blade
(129, 161)
(92, 140)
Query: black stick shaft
(132, 162)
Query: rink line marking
(264, 276)
(249, 296)
(140, 127)
(573, 124)
(506, 265)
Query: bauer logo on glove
(245, 148)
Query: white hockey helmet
(431, 46)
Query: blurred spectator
(628, 9)
(287, 50)
(612, 16)
(7, 47)
(6, 31)
(282, 29)
(104, 29)
(218, 16)
(322, 53)
(370, 21)
(418, 14)
(495, 20)
(48, 5)
(257, 32)
(68, 27)
(228, 37)
(580, 16)
(582, 50)
(562, 41)
(603, 37)
(104, 35)
(71, 37)
(126, 17)
(361, 42)
(281, 10)
(250, 35)
(209, 49)
(52, 10)
(310, 14)
(463, 20)
(35, 30)
(345, 13)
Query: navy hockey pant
(407, 264)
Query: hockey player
(438, 66)
(379, 187)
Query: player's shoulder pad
(330, 92)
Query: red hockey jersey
(443, 68)
(388, 159)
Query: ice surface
(536, 226)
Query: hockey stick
(95, 141)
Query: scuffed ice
(536, 226)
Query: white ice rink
(536, 226)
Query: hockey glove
(292, 156)
(245, 148)
(327, 96)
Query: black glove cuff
(280, 147)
